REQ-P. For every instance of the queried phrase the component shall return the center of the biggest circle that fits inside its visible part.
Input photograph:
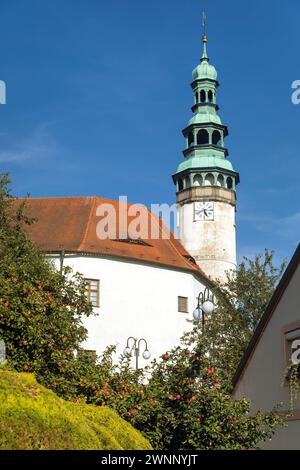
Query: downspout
(62, 257)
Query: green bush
(34, 418)
(179, 403)
(41, 309)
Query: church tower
(206, 181)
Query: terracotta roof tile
(69, 224)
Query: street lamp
(136, 349)
(205, 305)
(2, 352)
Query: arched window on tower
(229, 183)
(198, 180)
(197, 97)
(220, 181)
(180, 185)
(202, 96)
(187, 182)
(190, 139)
(210, 96)
(209, 180)
(216, 138)
(202, 137)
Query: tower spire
(204, 38)
(206, 180)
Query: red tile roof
(69, 224)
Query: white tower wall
(212, 243)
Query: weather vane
(204, 38)
(204, 22)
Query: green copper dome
(205, 162)
(204, 70)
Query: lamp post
(205, 304)
(2, 352)
(135, 348)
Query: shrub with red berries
(181, 406)
(40, 308)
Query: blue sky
(98, 93)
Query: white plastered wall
(136, 299)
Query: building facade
(144, 288)
(263, 375)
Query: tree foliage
(40, 308)
(34, 418)
(241, 302)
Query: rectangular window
(92, 291)
(182, 304)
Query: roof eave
(192, 269)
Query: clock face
(203, 211)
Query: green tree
(240, 304)
(40, 309)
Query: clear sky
(98, 93)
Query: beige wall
(262, 380)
